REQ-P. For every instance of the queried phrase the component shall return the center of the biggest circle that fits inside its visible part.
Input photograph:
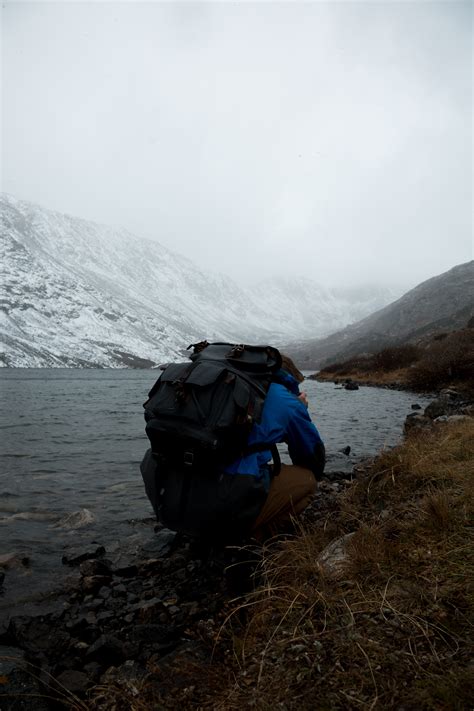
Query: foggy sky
(332, 140)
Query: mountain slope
(78, 293)
(442, 303)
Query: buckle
(188, 459)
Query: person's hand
(304, 398)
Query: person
(285, 419)
(274, 497)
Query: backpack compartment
(201, 408)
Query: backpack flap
(256, 359)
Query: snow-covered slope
(79, 293)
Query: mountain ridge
(444, 302)
(78, 293)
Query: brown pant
(290, 493)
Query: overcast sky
(327, 139)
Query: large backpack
(199, 415)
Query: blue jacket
(284, 419)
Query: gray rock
(438, 407)
(451, 418)
(160, 544)
(417, 421)
(334, 557)
(78, 556)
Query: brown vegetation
(390, 627)
(447, 359)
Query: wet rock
(14, 560)
(2, 578)
(160, 544)
(76, 682)
(346, 450)
(334, 557)
(351, 386)
(79, 556)
(19, 686)
(415, 406)
(75, 520)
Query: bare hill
(443, 303)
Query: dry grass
(390, 628)
(393, 629)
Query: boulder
(416, 421)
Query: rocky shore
(123, 625)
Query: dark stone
(93, 567)
(415, 406)
(160, 544)
(416, 421)
(77, 557)
(107, 650)
(351, 386)
(74, 681)
(104, 593)
(346, 450)
(2, 578)
(128, 571)
(119, 590)
(105, 616)
(438, 407)
(93, 670)
(93, 583)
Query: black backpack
(198, 418)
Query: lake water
(72, 441)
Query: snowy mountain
(76, 293)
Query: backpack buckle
(188, 459)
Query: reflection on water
(72, 441)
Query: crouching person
(213, 469)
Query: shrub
(396, 357)
(448, 361)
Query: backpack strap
(254, 448)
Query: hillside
(76, 293)
(443, 303)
